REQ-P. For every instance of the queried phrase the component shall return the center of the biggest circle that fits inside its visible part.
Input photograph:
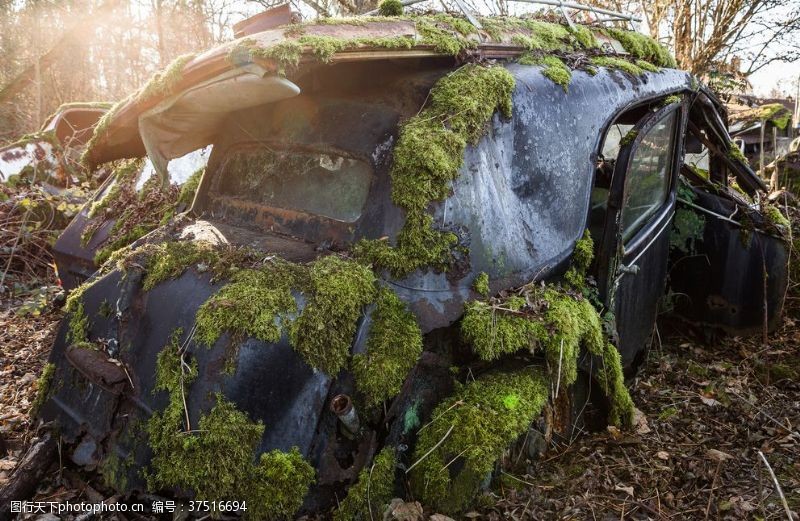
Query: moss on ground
(43, 388)
(368, 498)
(338, 290)
(469, 431)
(214, 459)
(428, 157)
(394, 345)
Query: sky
(778, 74)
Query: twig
(777, 486)
(432, 449)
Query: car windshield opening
(323, 183)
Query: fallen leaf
(640, 420)
(711, 402)
(623, 488)
(718, 455)
(662, 455)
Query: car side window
(648, 179)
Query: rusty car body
(527, 191)
(51, 155)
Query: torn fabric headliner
(120, 138)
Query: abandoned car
(419, 251)
(51, 156)
(128, 205)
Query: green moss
(372, 493)
(101, 129)
(611, 379)
(288, 53)
(546, 36)
(647, 66)
(496, 329)
(584, 36)
(338, 290)
(775, 216)
(582, 256)
(687, 230)
(428, 156)
(554, 68)
(470, 430)
(169, 260)
(558, 321)
(622, 64)
(124, 174)
(629, 138)
(43, 388)
(214, 459)
(642, 47)
(735, 153)
(446, 34)
(104, 253)
(481, 284)
(256, 303)
(393, 346)
(163, 83)
(669, 100)
(186, 195)
(390, 8)
(78, 325)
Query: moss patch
(163, 83)
(78, 325)
(481, 284)
(470, 430)
(642, 47)
(370, 496)
(189, 188)
(736, 154)
(629, 137)
(256, 303)
(390, 8)
(169, 260)
(557, 320)
(622, 64)
(427, 158)
(43, 388)
(775, 216)
(338, 290)
(215, 459)
(553, 68)
(393, 346)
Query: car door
(641, 204)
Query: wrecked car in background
(378, 290)
(51, 156)
(131, 203)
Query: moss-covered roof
(775, 113)
(325, 40)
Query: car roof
(304, 46)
